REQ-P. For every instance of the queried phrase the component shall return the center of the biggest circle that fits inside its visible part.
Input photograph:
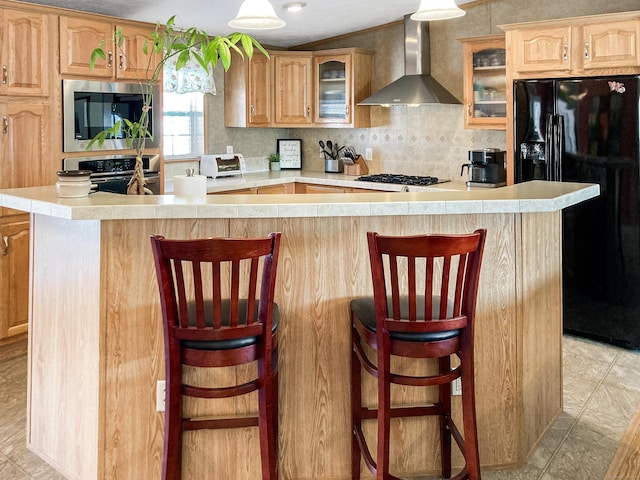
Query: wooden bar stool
(424, 297)
(212, 319)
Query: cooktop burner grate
(401, 179)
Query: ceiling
(319, 20)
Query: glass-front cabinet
(333, 93)
(485, 84)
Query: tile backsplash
(423, 140)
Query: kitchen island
(95, 328)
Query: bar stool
(424, 297)
(212, 319)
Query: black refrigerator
(587, 130)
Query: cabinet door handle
(252, 110)
(468, 109)
(109, 59)
(308, 112)
(5, 124)
(586, 51)
(565, 52)
(5, 250)
(346, 109)
(121, 61)
(5, 74)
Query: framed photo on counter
(290, 153)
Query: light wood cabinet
(580, 46)
(297, 89)
(80, 36)
(542, 50)
(14, 275)
(611, 45)
(248, 91)
(485, 83)
(24, 143)
(275, 189)
(24, 53)
(293, 83)
(313, 188)
(342, 79)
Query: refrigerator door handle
(549, 154)
(554, 142)
(559, 150)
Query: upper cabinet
(296, 89)
(24, 53)
(611, 45)
(248, 91)
(342, 78)
(79, 37)
(293, 89)
(581, 46)
(485, 83)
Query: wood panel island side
(95, 327)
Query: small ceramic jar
(73, 183)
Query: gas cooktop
(401, 179)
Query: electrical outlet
(368, 154)
(456, 387)
(160, 395)
(229, 148)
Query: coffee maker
(486, 168)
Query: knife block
(359, 168)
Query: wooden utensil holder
(359, 168)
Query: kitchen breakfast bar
(95, 327)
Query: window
(183, 124)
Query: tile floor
(601, 394)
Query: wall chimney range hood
(417, 86)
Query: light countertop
(266, 178)
(447, 198)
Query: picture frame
(290, 151)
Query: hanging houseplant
(169, 42)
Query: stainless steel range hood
(417, 86)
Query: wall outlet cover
(160, 395)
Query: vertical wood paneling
(65, 338)
(541, 323)
(323, 264)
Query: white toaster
(222, 164)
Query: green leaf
(118, 37)
(247, 45)
(183, 58)
(95, 55)
(225, 55)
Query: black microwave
(91, 107)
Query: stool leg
(267, 398)
(172, 451)
(356, 406)
(445, 415)
(469, 417)
(384, 412)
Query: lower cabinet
(14, 275)
(313, 188)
